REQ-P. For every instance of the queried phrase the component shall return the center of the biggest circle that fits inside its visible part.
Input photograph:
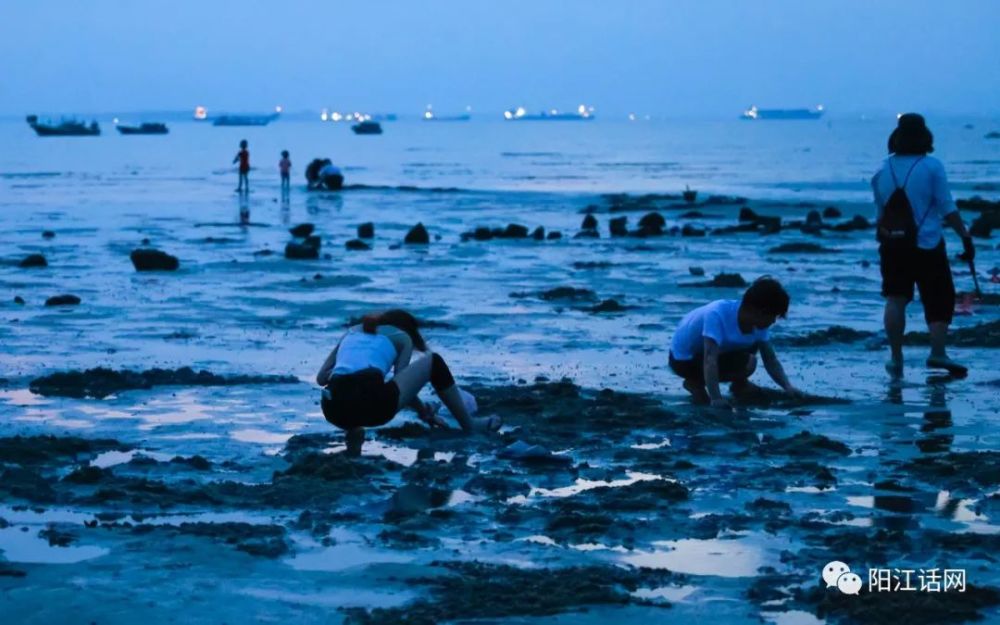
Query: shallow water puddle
(264, 437)
(673, 594)
(349, 551)
(738, 557)
(582, 485)
(19, 545)
(334, 598)
(112, 458)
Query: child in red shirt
(243, 156)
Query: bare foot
(698, 394)
(952, 367)
(487, 425)
(894, 367)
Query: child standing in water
(285, 168)
(718, 342)
(243, 158)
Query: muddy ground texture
(624, 485)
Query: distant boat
(148, 128)
(244, 120)
(65, 128)
(582, 113)
(367, 128)
(766, 114)
(431, 116)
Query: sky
(661, 57)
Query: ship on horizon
(583, 112)
(755, 113)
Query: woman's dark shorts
(732, 366)
(360, 399)
(929, 270)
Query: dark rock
(417, 235)
(693, 215)
(832, 212)
(618, 226)
(264, 253)
(720, 280)
(302, 230)
(366, 230)
(689, 195)
(18, 300)
(196, 462)
(48, 234)
(357, 245)
(538, 234)
(144, 241)
(515, 231)
(148, 259)
(814, 218)
(977, 203)
(804, 444)
(552, 236)
(652, 221)
(993, 134)
(801, 248)
(827, 336)
(62, 300)
(101, 382)
(589, 223)
(858, 222)
(747, 214)
(691, 231)
(592, 264)
(33, 260)
(982, 226)
(696, 271)
(769, 225)
(301, 251)
(585, 234)
(607, 306)
(567, 292)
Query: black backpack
(897, 226)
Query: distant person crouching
(323, 174)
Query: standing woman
(356, 394)
(913, 200)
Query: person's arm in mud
(774, 369)
(711, 363)
(324, 372)
(404, 353)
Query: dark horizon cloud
(683, 58)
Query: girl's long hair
(397, 318)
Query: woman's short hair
(911, 136)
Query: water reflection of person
(244, 210)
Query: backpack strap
(892, 172)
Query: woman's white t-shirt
(359, 350)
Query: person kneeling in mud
(357, 395)
(718, 342)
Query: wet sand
(207, 497)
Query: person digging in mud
(356, 394)
(913, 201)
(718, 342)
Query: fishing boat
(582, 113)
(146, 128)
(431, 116)
(65, 128)
(367, 128)
(754, 113)
(244, 120)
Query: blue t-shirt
(927, 190)
(717, 321)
